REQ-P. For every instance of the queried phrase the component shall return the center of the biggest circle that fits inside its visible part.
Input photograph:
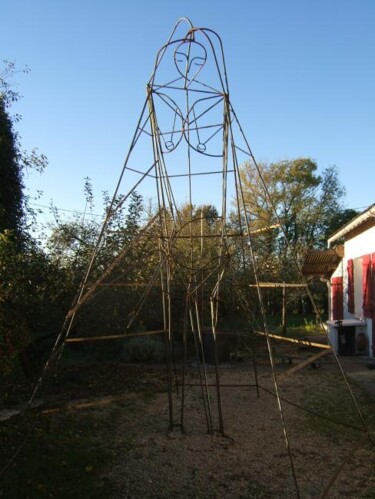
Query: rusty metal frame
(190, 102)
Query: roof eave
(357, 221)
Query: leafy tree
(32, 300)
(293, 194)
(22, 263)
(11, 188)
(305, 204)
(72, 242)
(193, 254)
(15, 211)
(72, 245)
(339, 219)
(8, 90)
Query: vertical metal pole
(214, 300)
(217, 375)
(163, 249)
(169, 349)
(184, 361)
(283, 312)
(203, 380)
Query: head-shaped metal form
(189, 90)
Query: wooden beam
(277, 285)
(122, 284)
(114, 336)
(295, 340)
(135, 285)
(229, 234)
(303, 364)
(85, 404)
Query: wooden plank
(278, 285)
(294, 340)
(229, 234)
(85, 404)
(122, 284)
(114, 336)
(303, 364)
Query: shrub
(144, 349)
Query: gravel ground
(250, 459)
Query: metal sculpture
(188, 143)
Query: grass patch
(64, 455)
(297, 325)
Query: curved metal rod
(164, 48)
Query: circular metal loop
(170, 145)
(201, 147)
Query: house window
(337, 298)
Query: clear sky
(301, 76)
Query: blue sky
(301, 76)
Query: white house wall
(363, 244)
(355, 248)
(358, 246)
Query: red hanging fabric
(337, 299)
(350, 287)
(366, 285)
(373, 301)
